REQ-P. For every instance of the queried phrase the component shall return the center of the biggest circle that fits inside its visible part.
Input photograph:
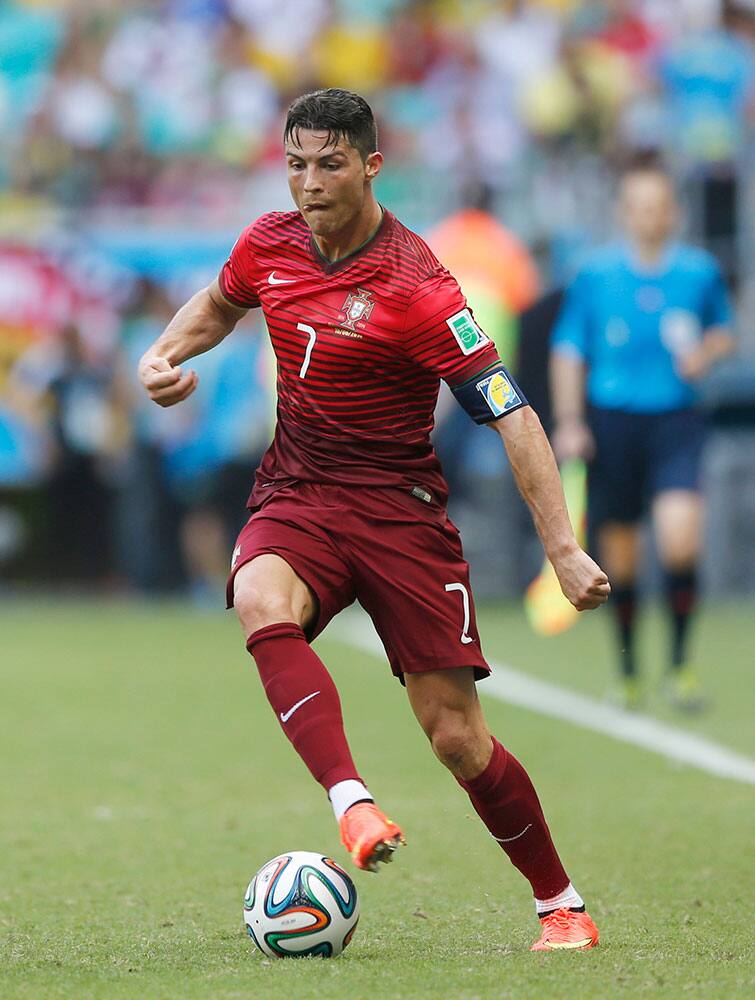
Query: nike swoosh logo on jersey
(272, 280)
(285, 716)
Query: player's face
(329, 183)
(649, 211)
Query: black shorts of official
(639, 455)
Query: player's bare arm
(571, 435)
(717, 343)
(206, 319)
(583, 582)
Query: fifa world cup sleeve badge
(498, 392)
(490, 395)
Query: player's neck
(650, 254)
(354, 236)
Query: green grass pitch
(144, 779)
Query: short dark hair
(646, 161)
(340, 113)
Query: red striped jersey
(361, 345)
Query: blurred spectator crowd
(179, 103)
(137, 139)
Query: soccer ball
(301, 903)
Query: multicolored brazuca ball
(301, 903)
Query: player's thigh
(446, 705)
(297, 566)
(434, 694)
(677, 524)
(268, 590)
(412, 579)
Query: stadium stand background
(138, 139)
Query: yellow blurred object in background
(350, 59)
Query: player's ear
(372, 165)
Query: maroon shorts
(398, 556)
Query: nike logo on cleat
(565, 945)
(285, 716)
(272, 280)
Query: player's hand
(692, 365)
(583, 582)
(572, 439)
(166, 384)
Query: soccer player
(641, 324)
(349, 501)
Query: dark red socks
(507, 803)
(305, 700)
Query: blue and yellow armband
(490, 394)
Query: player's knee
(258, 606)
(266, 591)
(680, 554)
(455, 743)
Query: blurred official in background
(640, 325)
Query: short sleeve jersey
(630, 325)
(361, 345)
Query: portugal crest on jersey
(357, 307)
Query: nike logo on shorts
(285, 716)
(272, 280)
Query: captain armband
(490, 394)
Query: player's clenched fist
(583, 582)
(165, 383)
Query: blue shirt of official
(630, 324)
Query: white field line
(516, 688)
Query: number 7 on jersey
(308, 353)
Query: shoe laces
(560, 919)
(361, 813)
(361, 818)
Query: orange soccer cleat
(369, 836)
(564, 930)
